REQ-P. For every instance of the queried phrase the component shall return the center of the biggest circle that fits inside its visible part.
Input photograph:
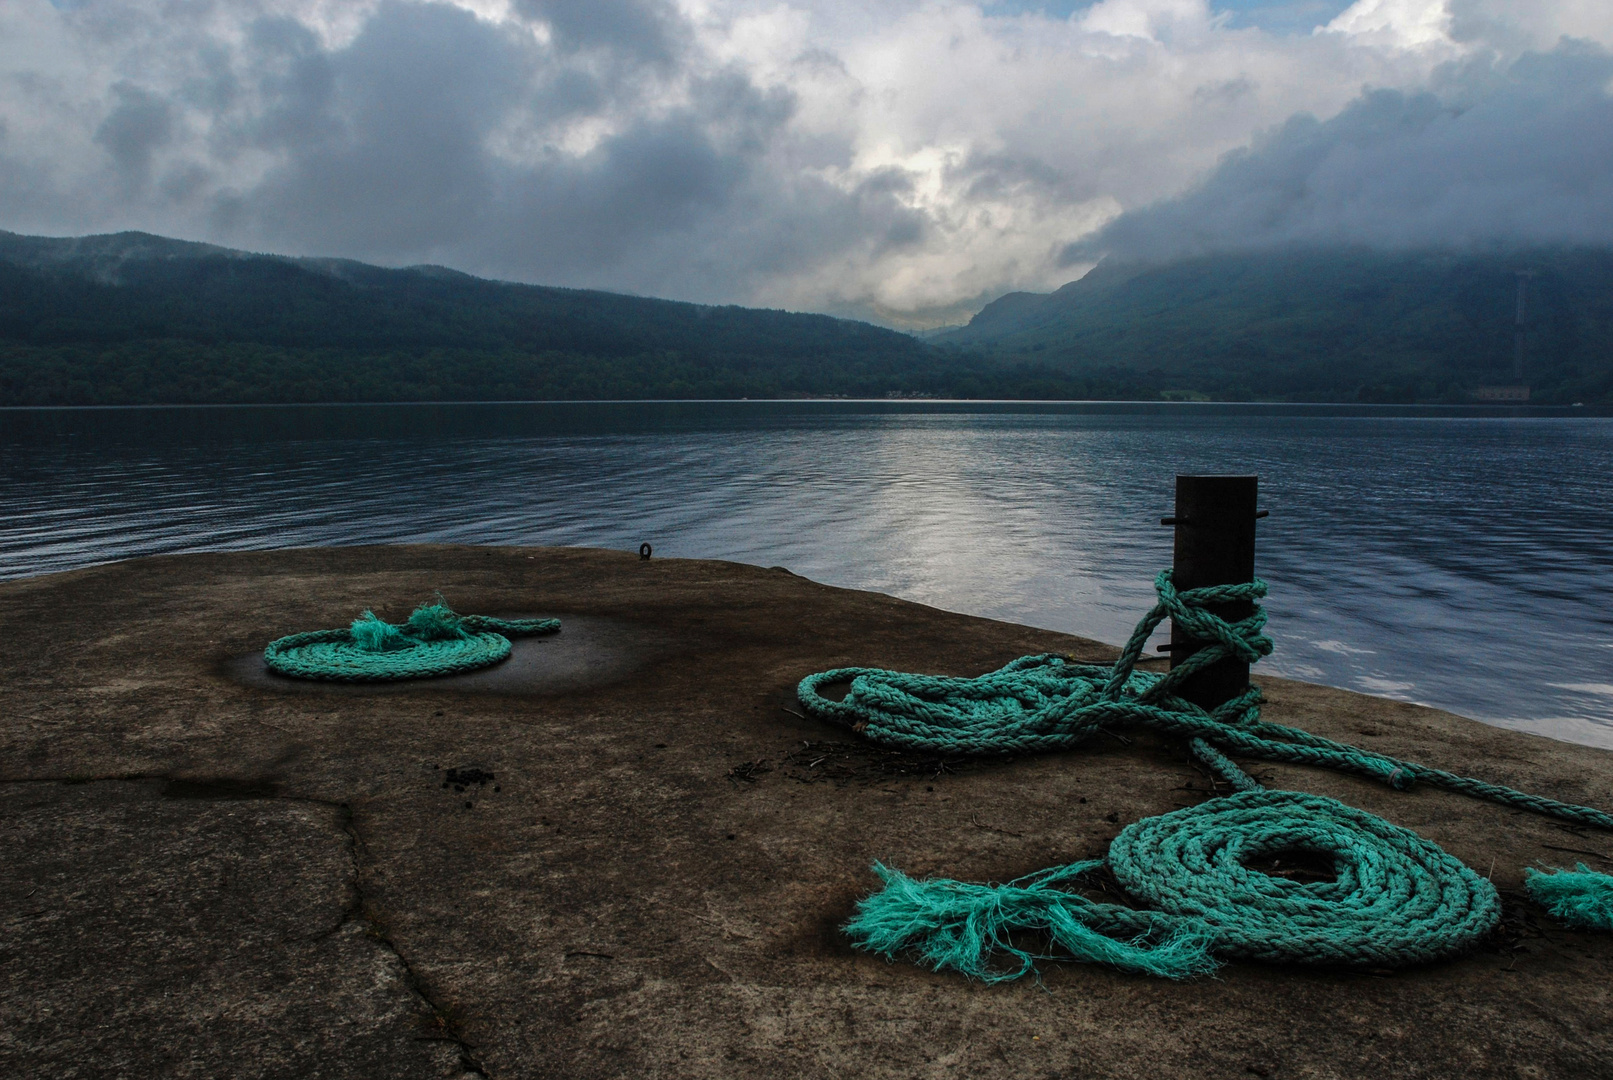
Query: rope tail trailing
(953, 925)
(1395, 898)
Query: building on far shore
(1501, 393)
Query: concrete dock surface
(625, 854)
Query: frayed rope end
(434, 622)
(429, 622)
(374, 634)
(1580, 897)
(963, 927)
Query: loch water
(1452, 558)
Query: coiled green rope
(434, 641)
(1395, 898)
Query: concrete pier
(624, 854)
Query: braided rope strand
(1047, 702)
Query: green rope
(1395, 898)
(1048, 702)
(1580, 897)
(434, 641)
(1221, 765)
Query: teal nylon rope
(434, 641)
(1580, 897)
(1048, 702)
(1395, 899)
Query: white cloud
(1402, 24)
(906, 160)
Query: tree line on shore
(135, 319)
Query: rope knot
(1188, 611)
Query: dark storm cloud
(391, 150)
(1519, 157)
(575, 215)
(385, 139)
(295, 81)
(138, 125)
(643, 29)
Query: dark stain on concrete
(220, 788)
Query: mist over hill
(132, 318)
(1322, 324)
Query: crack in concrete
(359, 909)
(230, 789)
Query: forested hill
(137, 318)
(1321, 325)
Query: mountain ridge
(178, 285)
(134, 318)
(1309, 323)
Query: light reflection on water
(1460, 562)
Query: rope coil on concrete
(1395, 899)
(435, 641)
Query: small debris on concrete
(868, 763)
(461, 779)
(748, 771)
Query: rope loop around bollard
(1049, 702)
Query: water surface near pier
(1455, 559)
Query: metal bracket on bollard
(1215, 545)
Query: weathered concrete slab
(197, 930)
(643, 874)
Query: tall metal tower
(1517, 337)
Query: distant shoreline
(897, 407)
(910, 405)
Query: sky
(903, 161)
